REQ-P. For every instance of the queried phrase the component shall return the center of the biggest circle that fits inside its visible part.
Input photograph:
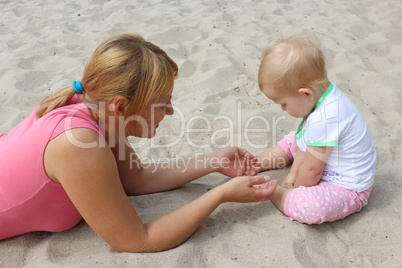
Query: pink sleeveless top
(29, 199)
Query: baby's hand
(289, 181)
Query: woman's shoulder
(76, 148)
(76, 115)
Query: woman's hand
(235, 161)
(248, 189)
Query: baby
(333, 154)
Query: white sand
(217, 45)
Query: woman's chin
(151, 134)
(143, 134)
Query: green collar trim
(324, 95)
(300, 131)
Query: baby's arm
(273, 158)
(306, 170)
(290, 179)
(312, 166)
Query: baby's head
(292, 73)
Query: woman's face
(145, 125)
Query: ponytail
(58, 99)
(122, 65)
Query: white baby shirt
(336, 122)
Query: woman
(77, 162)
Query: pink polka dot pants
(324, 202)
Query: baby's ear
(307, 92)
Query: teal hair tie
(78, 87)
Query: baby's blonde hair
(122, 65)
(293, 63)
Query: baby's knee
(304, 215)
(305, 207)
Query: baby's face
(294, 103)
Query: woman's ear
(119, 106)
(307, 92)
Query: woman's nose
(170, 110)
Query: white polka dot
(295, 214)
(317, 204)
(303, 211)
(318, 197)
(309, 197)
(312, 213)
(330, 208)
(305, 204)
(335, 193)
(326, 198)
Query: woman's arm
(91, 180)
(138, 178)
(175, 227)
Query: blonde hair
(122, 65)
(293, 63)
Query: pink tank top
(29, 199)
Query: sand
(217, 45)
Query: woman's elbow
(136, 249)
